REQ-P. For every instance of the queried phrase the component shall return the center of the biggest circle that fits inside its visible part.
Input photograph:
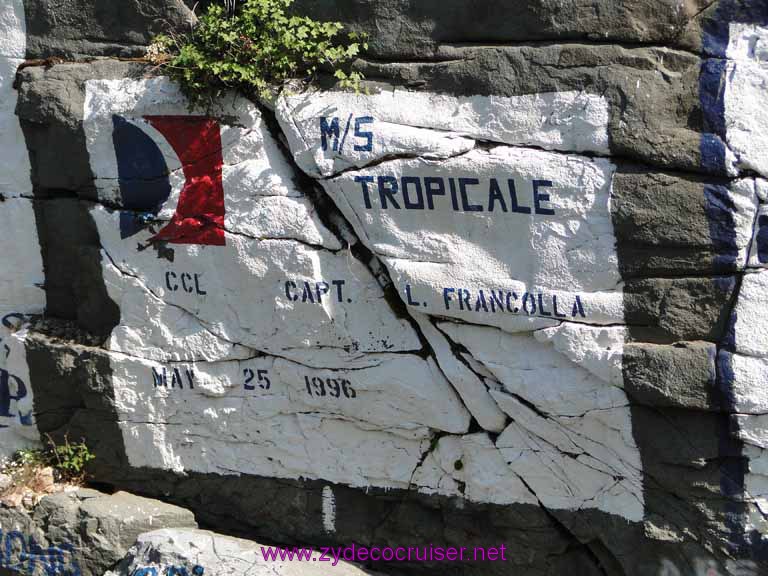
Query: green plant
(70, 459)
(256, 49)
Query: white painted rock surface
(333, 131)
(510, 237)
(21, 268)
(362, 427)
(744, 362)
(745, 113)
(17, 421)
(745, 372)
(324, 402)
(492, 237)
(571, 436)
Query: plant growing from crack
(256, 47)
(70, 459)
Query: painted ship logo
(145, 183)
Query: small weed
(70, 459)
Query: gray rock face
(406, 31)
(512, 295)
(84, 28)
(83, 532)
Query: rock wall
(512, 294)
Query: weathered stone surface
(669, 310)
(405, 31)
(93, 28)
(670, 224)
(682, 376)
(81, 532)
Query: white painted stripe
(329, 510)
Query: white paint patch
(751, 326)
(748, 376)
(14, 170)
(745, 208)
(279, 285)
(476, 464)
(571, 439)
(250, 286)
(746, 115)
(329, 510)
(21, 267)
(194, 389)
(514, 238)
(470, 386)
(332, 131)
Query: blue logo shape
(142, 175)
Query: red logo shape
(199, 217)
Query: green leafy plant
(255, 49)
(70, 459)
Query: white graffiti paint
(21, 268)
(17, 425)
(206, 419)
(749, 367)
(339, 412)
(279, 285)
(276, 353)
